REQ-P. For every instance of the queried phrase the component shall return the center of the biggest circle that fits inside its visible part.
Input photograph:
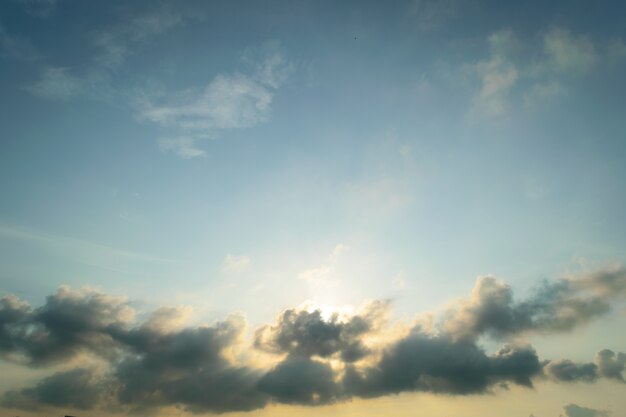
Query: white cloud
(567, 54)
(116, 43)
(229, 101)
(498, 75)
(521, 73)
(235, 264)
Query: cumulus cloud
(235, 100)
(301, 380)
(422, 362)
(306, 333)
(70, 323)
(316, 357)
(606, 364)
(568, 371)
(553, 307)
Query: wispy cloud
(16, 47)
(59, 84)
(498, 75)
(433, 14)
(235, 264)
(117, 42)
(112, 46)
(325, 275)
(235, 100)
(520, 73)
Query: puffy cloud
(567, 371)
(606, 364)
(185, 367)
(300, 380)
(324, 358)
(69, 323)
(553, 307)
(422, 362)
(306, 333)
(611, 365)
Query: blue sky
(254, 156)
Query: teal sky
(250, 157)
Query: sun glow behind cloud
(283, 208)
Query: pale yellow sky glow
(312, 207)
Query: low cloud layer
(310, 357)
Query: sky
(347, 208)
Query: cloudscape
(343, 208)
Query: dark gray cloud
(70, 322)
(438, 364)
(307, 333)
(185, 367)
(606, 364)
(158, 362)
(552, 307)
(568, 371)
(611, 365)
(573, 410)
(299, 380)
(75, 388)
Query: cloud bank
(308, 357)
